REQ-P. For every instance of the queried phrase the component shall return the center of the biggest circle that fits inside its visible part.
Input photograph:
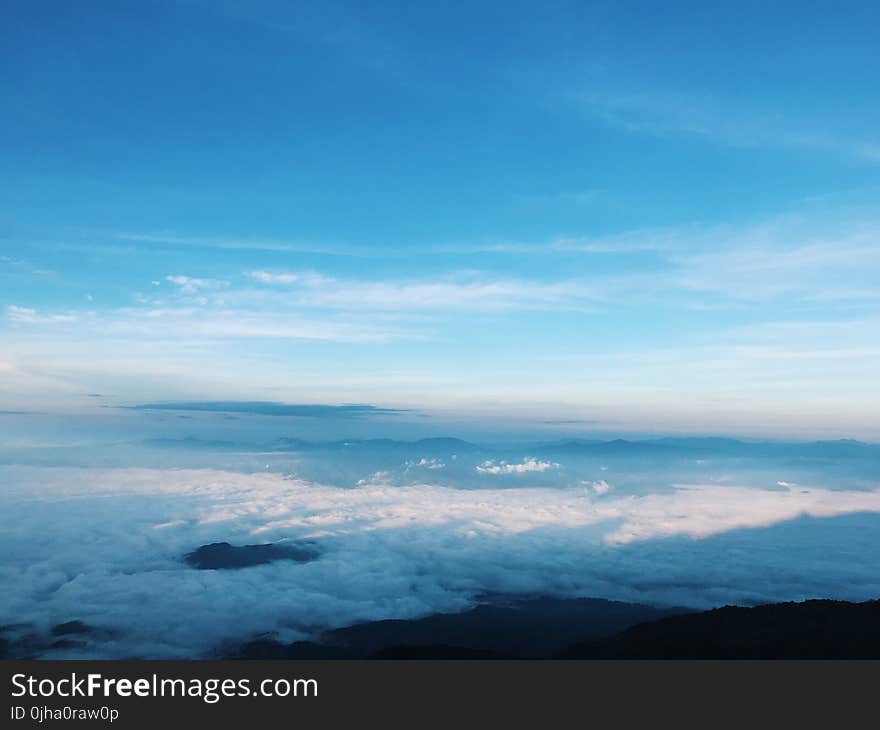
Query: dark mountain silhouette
(540, 628)
(223, 556)
(816, 629)
(524, 628)
(549, 628)
(71, 627)
(436, 651)
(29, 641)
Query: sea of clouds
(105, 546)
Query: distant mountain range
(427, 446)
(536, 627)
(818, 629)
(692, 447)
(547, 628)
(550, 628)
(717, 446)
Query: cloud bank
(266, 408)
(105, 546)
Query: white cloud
(529, 464)
(26, 315)
(267, 277)
(425, 463)
(191, 285)
(195, 323)
(310, 289)
(21, 314)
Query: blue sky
(652, 218)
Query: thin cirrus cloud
(665, 114)
(238, 244)
(799, 257)
(796, 258)
(312, 289)
(629, 241)
(793, 258)
(791, 261)
(770, 308)
(211, 308)
(788, 255)
(29, 315)
(193, 323)
(637, 241)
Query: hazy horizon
(657, 220)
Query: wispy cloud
(266, 277)
(195, 323)
(626, 242)
(789, 258)
(714, 120)
(474, 293)
(798, 257)
(240, 244)
(743, 317)
(28, 315)
(191, 285)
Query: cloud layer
(104, 546)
